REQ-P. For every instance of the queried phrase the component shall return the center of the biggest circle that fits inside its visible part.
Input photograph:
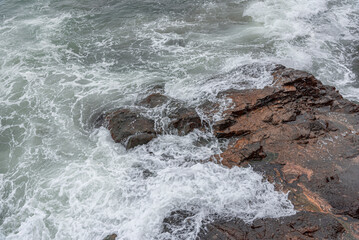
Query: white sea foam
(108, 192)
(316, 36)
(62, 63)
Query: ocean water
(64, 62)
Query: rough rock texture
(154, 100)
(305, 138)
(302, 135)
(304, 225)
(131, 128)
(185, 120)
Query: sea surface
(64, 62)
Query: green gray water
(63, 62)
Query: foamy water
(64, 62)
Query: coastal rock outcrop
(131, 127)
(304, 137)
(303, 226)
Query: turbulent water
(64, 62)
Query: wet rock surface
(303, 136)
(185, 120)
(154, 100)
(178, 221)
(304, 225)
(131, 127)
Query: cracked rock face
(304, 225)
(304, 137)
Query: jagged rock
(304, 225)
(306, 134)
(130, 128)
(302, 135)
(243, 151)
(185, 120)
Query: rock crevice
(303, 136)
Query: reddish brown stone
(309, 145)
(303, 226)
(154, 100)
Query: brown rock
(185, 120)
(246, 152)
(154, 100)
(302, 135)
(304, 225)
(139, 139)
(307, 137)
(130, 128)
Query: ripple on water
(65, 61)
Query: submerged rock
(304, 137)
(178, 221)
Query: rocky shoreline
(303, 136)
